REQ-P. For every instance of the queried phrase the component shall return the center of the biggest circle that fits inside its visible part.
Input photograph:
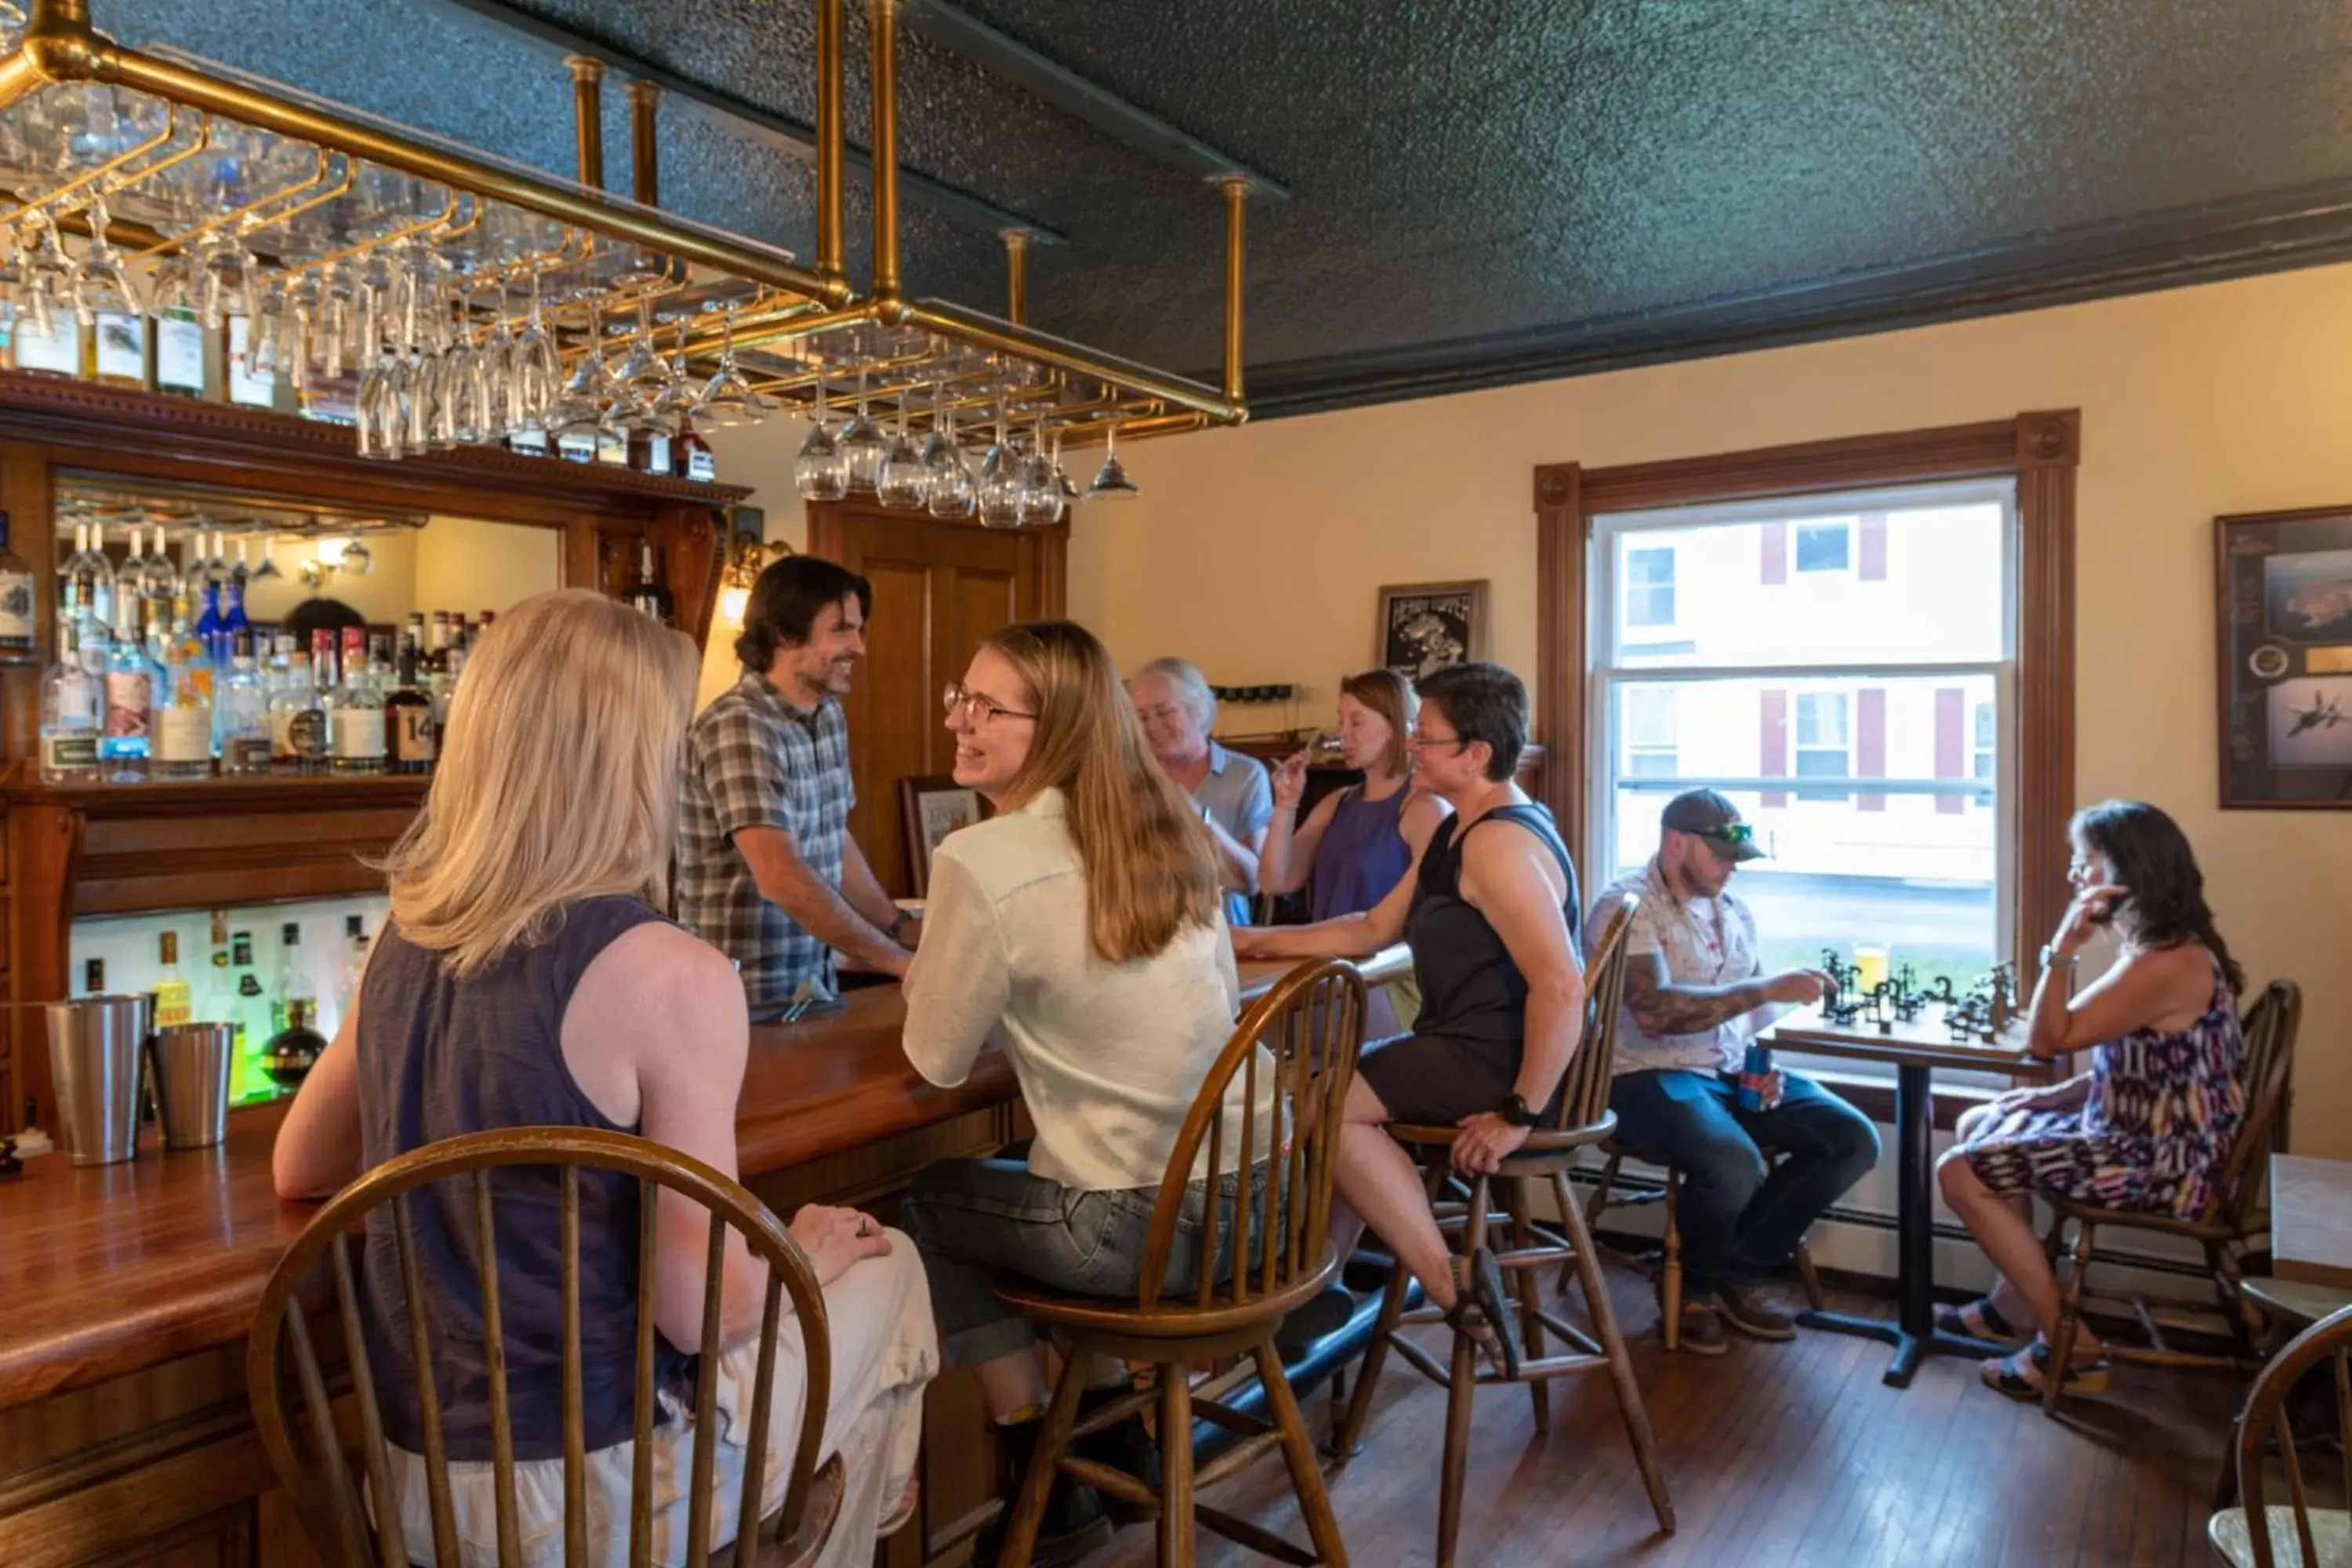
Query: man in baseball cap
(1695, 995)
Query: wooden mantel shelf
(22, 786)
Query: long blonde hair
(558, 779)
(1148, 865)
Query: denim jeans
(1738, 1220)
(971, 1219)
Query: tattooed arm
(1663, 1007)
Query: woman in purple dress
(1358, 842)
(2148, 1127)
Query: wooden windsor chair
(1581, 1121)
(309, 1454)
(1263, 1250)
(2292, 1534)
(1609, 1194)
(2224, 1232)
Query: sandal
(1485, 1313)
(1979, 1319)
(2025, 1373)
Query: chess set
(1983, 1013)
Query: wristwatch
(1515, 1111)
(898, 923)
(2053, 959)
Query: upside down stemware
(820, 471)
(727, 399)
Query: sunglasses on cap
(1729, 832)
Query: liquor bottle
(216, 1002)
(116, 347)
(175, 1002)
(612, 449)
(356, 721)
(696, 460)
(180, 741)
(576, 445)
(292, 984)
(247, 387)
(531, 441)
(50, 343)
(250, 1005)
(242, 714)
(93, 977)
(130, 697)
(651, 451)
(296, 723)
(233, 617)
(72, 706)
(158, 579)
(208, 623)
(295, 1049)
(16, 623)
(86, 586)
(409, 715)
(651, 596)
(179, 331)
(355, 957)
(279, 672)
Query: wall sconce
(746, 559)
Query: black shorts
(1433, 1082)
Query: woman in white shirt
(1079, 927)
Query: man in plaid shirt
(767, 870)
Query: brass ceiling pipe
(60, 46)
(1016, 276)
(588, 118)
(644, 153)
(1236, 193)
(985, 332)
(829, 209)
(883, 287)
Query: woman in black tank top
(1491, 912)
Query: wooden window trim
(2038, 450)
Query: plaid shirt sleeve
(744, 771)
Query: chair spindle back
(316, 1473)
(1300, 1039)
(1584, 1098)
(2328, 1339)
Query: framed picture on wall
(932, 806)
(2284, 592)
(1424, 627)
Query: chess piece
(9, 1164)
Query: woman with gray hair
(1173, 699)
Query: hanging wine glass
(948, 486)
(536, 368)
(645, 378)
(1041, 488)
(727, 398)
(904, 484)
(356, 561)
(268, 568)
(1111, 482)
(999, 486)
(820, 471)
(863, 444)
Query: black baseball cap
(1706, 814)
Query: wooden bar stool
(1583, 1120)
(309, 1454)
(1299, 1041)
(2292, 1535)
(1670, 1268)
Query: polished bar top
(111, 1268)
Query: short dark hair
(786, 601)
(320, 616)
(1483, 702)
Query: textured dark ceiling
(1481, 190)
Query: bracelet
(2053, 959)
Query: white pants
(884, 1351)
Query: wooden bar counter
(126, 1292)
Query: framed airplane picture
(2283, 590)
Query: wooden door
(939, 589)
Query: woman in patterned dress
(2147, 1127)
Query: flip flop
(1488, 1306)
(1979, 1319)
(2023, 1375)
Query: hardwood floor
(1774, 1454)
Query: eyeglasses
(1729, 832)
(1421, 742)
(976, 709)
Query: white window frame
(1672, 751)
(1607, 674)
(1845, 698)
